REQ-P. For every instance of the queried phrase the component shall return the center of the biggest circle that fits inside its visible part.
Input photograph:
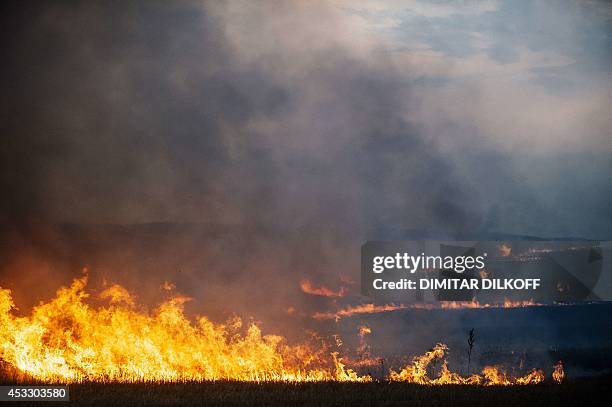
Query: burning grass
(369, 308)
(68, 340)
(418, 372)
(309, 287)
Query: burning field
(75, 338)
(112, 350)
(223, 169)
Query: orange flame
(356, 310)
(475, 304)
(364, 330)
(67, 340)
(418, 372)
(374, 309)
(558, 374)
(309, 288)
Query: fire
(343, 374)
(364, 330)
(68, 340)
(418, 372)
(309, 288)
(558, 374)
(363, 351)
(518, 304)
(474, 304)
(370, 308)
(358, 309)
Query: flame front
(68, 340)
(357, 310)
(418, 372)
(323, 291)
(474, 304)
(370, 308)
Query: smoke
(174, 116)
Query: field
(578, 392)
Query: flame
(419, 369)
(364, 330)
(474, 304)
(117, 294)
(519, 304)
(309, 288)
(369, 308)
(363, 350)
(357, 310)
(68, 340)
(347, 375)
(558, 374)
